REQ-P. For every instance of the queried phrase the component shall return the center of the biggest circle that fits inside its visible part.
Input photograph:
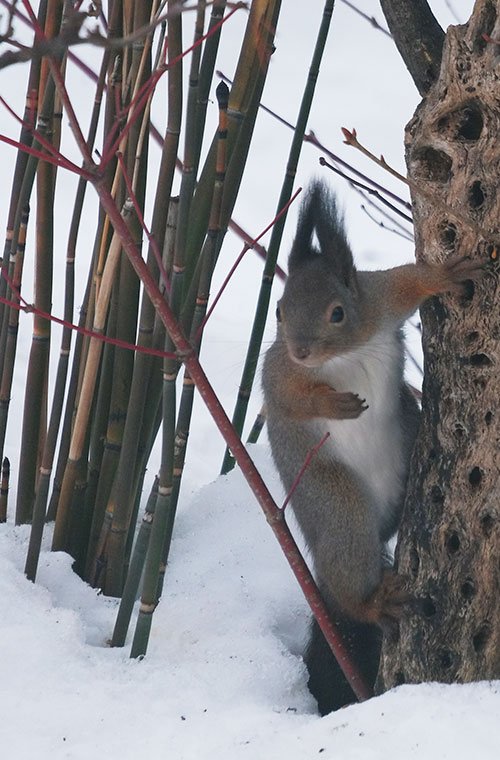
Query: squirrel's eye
(278, 314)
(337, 315)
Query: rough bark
(449, 544)
(418, 37)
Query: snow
(223, 677)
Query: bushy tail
(327, 682)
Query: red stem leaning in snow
(187, 354)
(302, 470)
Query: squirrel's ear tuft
(302, 247)
(319, 214)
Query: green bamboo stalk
(257, 426)
(123, 498)
(4, 489)
(16, 206)
(208, 259)
(135, 571)
(205, 79)
(42, 491)
(244, 98)
(149, 599)
(35, 412)
(255, 343)
(12, 316)
(102, 240)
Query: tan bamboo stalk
(70, 406)
(87, 390)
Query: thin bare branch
(371, 19)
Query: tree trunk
(449, 541)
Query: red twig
(246, 247)
(238, 230)
(57, 157)
(55, 160)
(274, 515)
(22, 305)
(307, 461)
(144, 92)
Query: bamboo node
(147, 609)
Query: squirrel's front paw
(337, 405)
(457, 270)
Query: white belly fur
(372, 444)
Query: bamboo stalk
(117, 524)
(243, 103)
(208, 259)
(4, 489)
(87, 390)
(42, 491)
(35, 402)
(254, 347)
(135, 571)
(12, 317)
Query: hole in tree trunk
(466, 123)
(480, 360)
(448, 234)
(431, 165)
(452, 543)
(477, 195)
(480, 638)
(475, 476)
(428, 607)
(446, 659)
(468, 589)
(488, 417)
(487, 524)
(414, 561)
(468, 291)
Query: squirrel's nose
(301, 352)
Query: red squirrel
(337, 366)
